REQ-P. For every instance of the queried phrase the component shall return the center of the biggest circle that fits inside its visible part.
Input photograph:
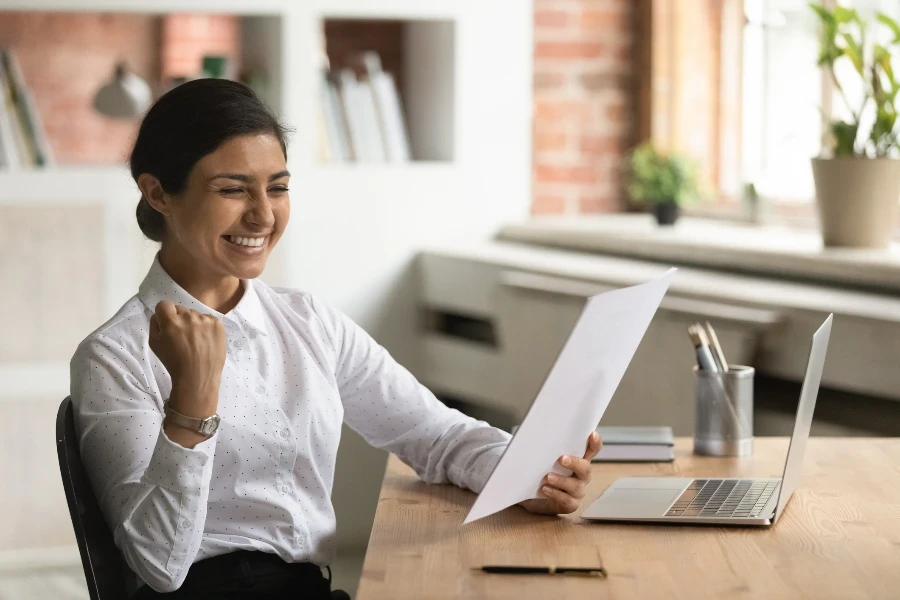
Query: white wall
(355, 229)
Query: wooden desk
(838, 538)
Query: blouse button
(260, 389)
(286, 488)
(285, 433)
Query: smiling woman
(209, 408)
(210, 161)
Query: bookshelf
(355, 228)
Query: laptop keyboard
(735, 498)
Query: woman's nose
(261, 213)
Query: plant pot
(666, 212)
(858, 199)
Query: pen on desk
(704, 357)
(583, 571)
(717, 348)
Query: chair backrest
(104, 567)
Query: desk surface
(838, 538)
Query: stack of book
(361, 115)
(636, 444)
(23, 141)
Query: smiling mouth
(245, 242)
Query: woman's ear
(153, 192)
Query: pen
(704, 356)
(583, 571)
(719, 355)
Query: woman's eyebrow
(248, 178)
(235, 176)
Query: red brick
(604, 80)
(599, 145)
(550, 141)
(598, 204)
(617, 113)
(569, 50)
(609, 19)
(548, 80)
(551, 18)
(565, 174)
(546, 111)
(548, 205)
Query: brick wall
(65, 58)
(584, 91)
(186, 38)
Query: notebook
(636, 444)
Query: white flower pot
(859, 200)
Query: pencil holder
(724, 422)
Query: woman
(209, 408)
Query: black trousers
(246, 575)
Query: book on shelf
(361, 117)
(389, 109)
(10, 153)
(30, 145)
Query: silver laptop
(717, 500)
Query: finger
(565, 502)
(580, 467)
(570, 485)
(165, 312)
(154, 325)
(594, 444)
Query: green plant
(843, 37)
(655, 177)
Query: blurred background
(463, 178)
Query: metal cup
(724, 421)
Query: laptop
(716, 500)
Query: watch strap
(206, 426)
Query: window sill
(730, 245)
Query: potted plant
(664, 181)
(857, 176)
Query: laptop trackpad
(634, 503)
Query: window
(786, 97)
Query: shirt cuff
(177, 468)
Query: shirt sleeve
(152, 491)
(390, 409)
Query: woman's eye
(278, 190)
(231, 191)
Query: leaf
(824, 13)
(854, 53)
(891, 24)
(882, 58)
(844, 138)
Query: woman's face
(234, 209)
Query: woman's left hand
(564, 494)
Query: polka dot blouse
(296, 369)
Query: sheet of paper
(575, 394)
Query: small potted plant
(663, 181)
(857, 176)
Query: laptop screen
(805, 409)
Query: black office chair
(104, 567)
(105, 570)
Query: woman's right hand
(192, 348)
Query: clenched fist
(192, 348)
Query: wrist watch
(206, 426)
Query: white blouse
(295, 370)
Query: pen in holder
(724, 421)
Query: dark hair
(184, 125)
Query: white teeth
(246, 241)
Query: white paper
(575, 394)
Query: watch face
(209, 425)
